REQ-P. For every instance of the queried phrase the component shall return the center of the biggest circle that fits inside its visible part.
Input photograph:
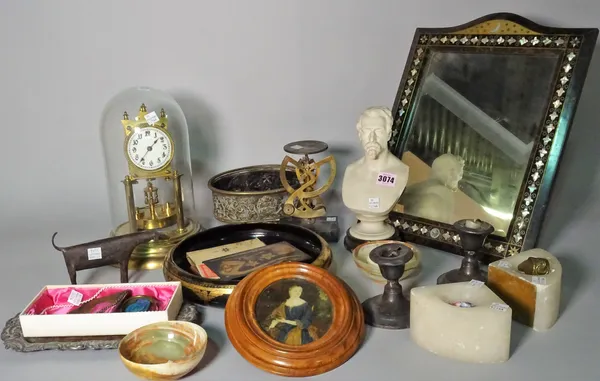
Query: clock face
(150, 148)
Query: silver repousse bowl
(250, 194)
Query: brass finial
(125, 116)
(143, 108)
(162, 113)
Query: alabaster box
(50, 313)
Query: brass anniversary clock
(149, 171)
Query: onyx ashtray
(215, 292)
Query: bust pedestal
(351, 242)
(371, 227)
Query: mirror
(473, 132)
(480, 111)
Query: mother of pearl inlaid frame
(495, 32)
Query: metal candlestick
(473, 234)
(390, 310)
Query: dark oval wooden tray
(215, 292)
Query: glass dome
(146, 150)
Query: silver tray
(12, 336)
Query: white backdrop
(250, 76)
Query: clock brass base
(150, 256)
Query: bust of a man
(373, 184)
(434, 197)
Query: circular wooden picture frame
(294, 319)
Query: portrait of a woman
(292, 321)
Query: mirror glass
(476, 121)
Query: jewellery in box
(140, 303)
(105, 304)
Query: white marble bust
(373, 184)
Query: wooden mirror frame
(499, 31)
(335, 347)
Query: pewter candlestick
(473, 234)
(391, 310)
